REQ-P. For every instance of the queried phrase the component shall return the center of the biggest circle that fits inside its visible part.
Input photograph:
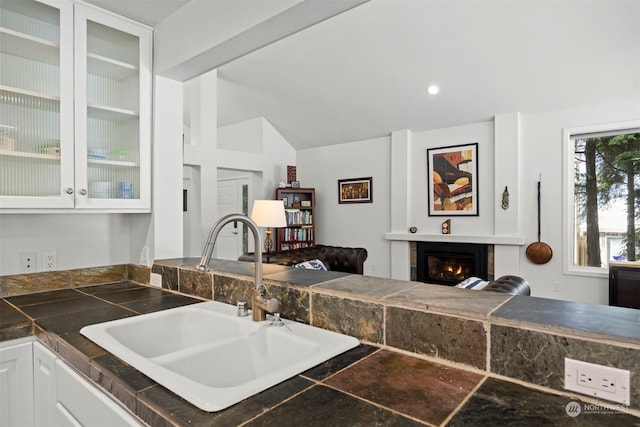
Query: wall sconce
(505, 198)
(268, 213)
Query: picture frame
(355, 190)
(291, 174)
(285, 201)
(295, 184)
(452, 177)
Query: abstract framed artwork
(452, 174)
(355, 190)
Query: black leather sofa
(335, 258)
(513, 285)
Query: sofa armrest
(513, 285)
(344, 259)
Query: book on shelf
(299, 217)
(303, 233)
(294, 245)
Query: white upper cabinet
(36, 104)
(75, 109)
(113, 111)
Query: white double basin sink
(212, 358)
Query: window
(603, 203)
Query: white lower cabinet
(44, 384)
(81, 404)
(16, 385)
(37, 388)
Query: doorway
(191, 212)
(233, 197)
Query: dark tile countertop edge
(399, 293)
(157, 406)
(58, 330)
(617, 325)
(146, 399)
(591, 321)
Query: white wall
(252, 148)
(167, 172)
(482, 133)
(358, 224)
(256, 146)
(542, 147)
(244, 136)
(201, 152)
(80, 240)
(538, 138)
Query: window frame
(569, 220)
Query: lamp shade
(268, 213)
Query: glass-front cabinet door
(36, 104)
(75, 108)
(113, 111)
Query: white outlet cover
(156, 280)
(586, 378)
(28, 262)
(49, 260)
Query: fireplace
(447, 263)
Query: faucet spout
(260, 303)
(213, 236)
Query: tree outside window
(607, 197)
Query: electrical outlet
(49, 260)
(597, 380)
(156, 280)
(28, 262)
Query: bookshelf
(299, 204)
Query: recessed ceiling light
(433, 89)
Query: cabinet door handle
(69, 190)
(83, 192)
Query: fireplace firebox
(445, 263)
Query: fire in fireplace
(447, 263)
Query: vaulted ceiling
(364, 73)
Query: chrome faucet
(260, 303)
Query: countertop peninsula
(373, 384)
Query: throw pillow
(314, 264)
(474, 283)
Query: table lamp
(268, 213)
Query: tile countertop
(368, 385)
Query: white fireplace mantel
(456, 238)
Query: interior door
(230, 200)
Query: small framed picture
(295, 184)
(285, 200)
(355, 190)
(305, 203)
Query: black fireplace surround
(446, 263)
